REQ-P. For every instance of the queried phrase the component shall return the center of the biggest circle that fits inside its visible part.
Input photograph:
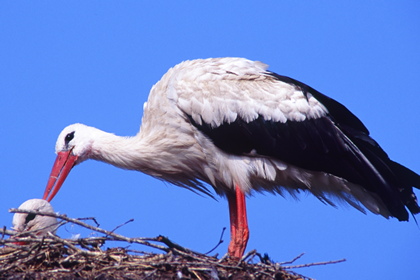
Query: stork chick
(37, 224)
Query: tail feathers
(395, 187)
(408, 180)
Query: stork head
(74, 145)
(35, 223)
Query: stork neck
(155, 155)
(123, 152)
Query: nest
(51, 257)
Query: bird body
(232, 124)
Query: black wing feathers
(341, 114)
(337, 143)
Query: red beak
(62, 166)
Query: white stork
(232, 124)
(33, 223)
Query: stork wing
(278, 117)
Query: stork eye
(69, 137)
(29, 218)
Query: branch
(313, 264)
(218, 243)
(293, 260)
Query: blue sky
(94, 62)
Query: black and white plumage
(35, 224)
(231, 123)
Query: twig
(250, 254)
(7, 232)
(172, 245)
(313, 264)
(293, 260)
(90, 218)
(117, 227)
(2, 233)
(218, 243)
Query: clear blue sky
(94, 62)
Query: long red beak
(62, 166)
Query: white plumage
(35, 224)
(231, 123)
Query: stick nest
(27, 256)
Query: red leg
(239, 232)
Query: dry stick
(218, 244)
(172, 245)
(313, 264)
(123, 224)
(293, 260)
(251, 254)
(90, 218)
(5, 231)
(63, 217)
